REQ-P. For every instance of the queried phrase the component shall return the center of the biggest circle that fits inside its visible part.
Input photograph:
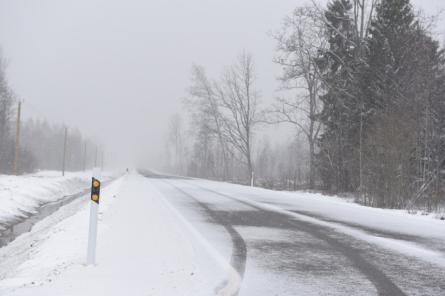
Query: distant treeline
(41, 144)
(363, 85)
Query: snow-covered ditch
(22, 196)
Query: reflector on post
(95, 190)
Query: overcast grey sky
(118, 69)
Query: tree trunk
(311, 163)
(250, 169)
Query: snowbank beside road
(21, 196)
(335, 209)
(143, 249)
(53, 245)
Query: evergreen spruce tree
(400, 76)
(339, 116)
(383, 108)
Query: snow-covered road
(162, 235)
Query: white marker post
(94, 210)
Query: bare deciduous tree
(239, 101)
(175, 145)
(205, 106)
(300, 43)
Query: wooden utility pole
(17, 141)
(95, 158)
(102, 159)
(64, 151)
(84, 156)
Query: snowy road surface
(162, 235)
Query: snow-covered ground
(149, 242)
(144, 248)
(21, 196)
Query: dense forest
(40, 146)
(365, 93)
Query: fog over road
(279, 254)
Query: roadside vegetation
(363, 85)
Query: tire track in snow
(239, 248)
(383, 284)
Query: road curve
(381, 282)
(264, 217)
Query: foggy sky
(118, 69)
